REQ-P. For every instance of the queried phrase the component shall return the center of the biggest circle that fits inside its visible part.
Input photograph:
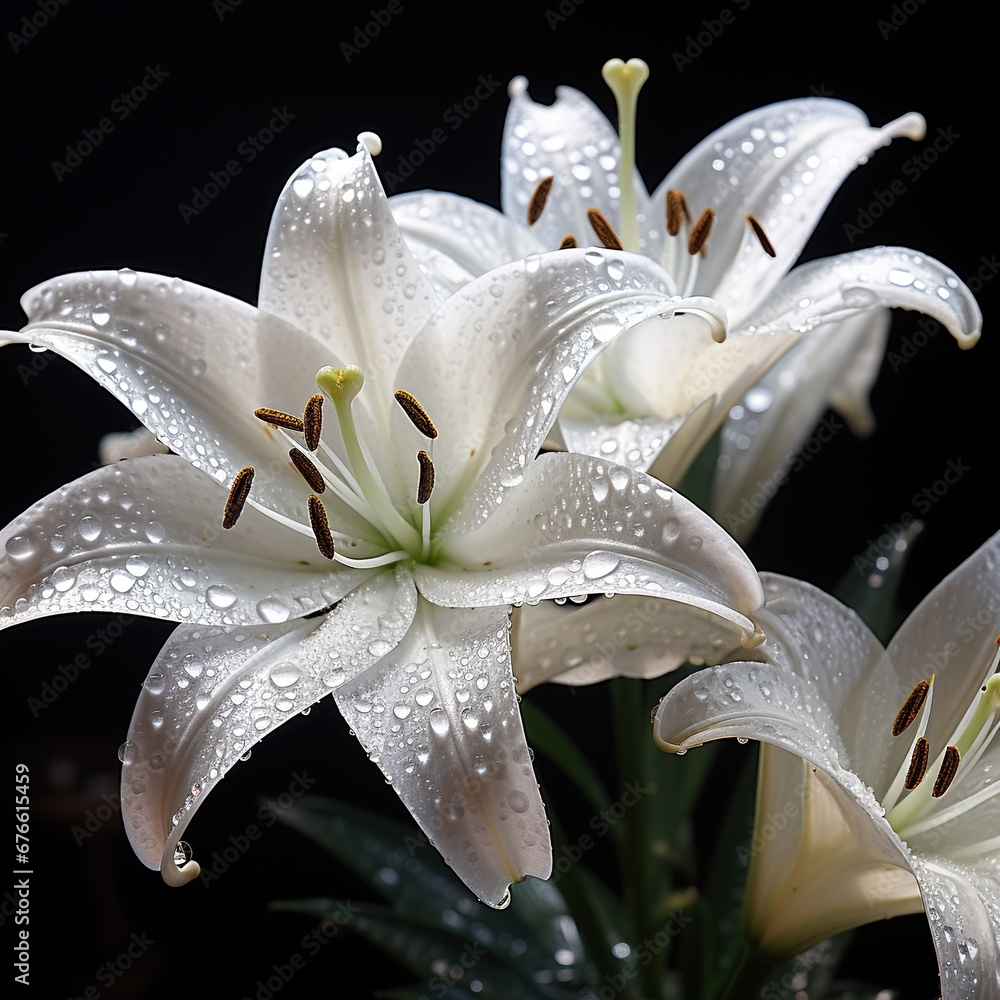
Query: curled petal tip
(517, 86)
(371, 141)
(909, 126)
(175, 876)
(752, 641)
(967, 340)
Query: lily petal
(782, 164)
(439, 715)
(793, 903)
(781, 412)
(576, 525)
(337, 267)
(190, 362)
(145, 537)
(627, 636)
(571, 141)
(474, 237)
(212, 694)
(540, 322)
(965, 932)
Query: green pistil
(625, 81)
(340, 386)
(914, 804)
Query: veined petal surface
(145, 537)
(438, 714)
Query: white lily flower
(728, 221)
(373, 549)
(881, 763)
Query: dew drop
(439, 721)
(270, 609)
(518, 801)
(90, 528)
(285, 674)
(599, 564)
(220, 596)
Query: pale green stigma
(625, 81)
(341, 386)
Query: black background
(227, 66)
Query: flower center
(354, 482)
(914, 805)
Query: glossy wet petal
(782, 164)
(212, 694)
(536, 325)
(763, 435)
(963, 909)
(475, 238)
(337, 267)
(145, 537)
(438, 714)
(575, 525)
(627, 636)
(571, 141)
(191, 363)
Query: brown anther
(237, 498)
(312, 420)
(278, 418)
(677, 212)
(918, 763)
(568, 243)
(538, 199)
(911, 708)
(949, 768)
(426, 484)
(320, 525)
(758, 230)
(307, 470)
(602, 227)
(699, 234)
(417, 414)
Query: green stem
(640, 869)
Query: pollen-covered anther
(538, 199)
(700, 232)
(426, 484)
(312, 420)
(947, 772)
(603, 229)
(910, 708)
(237, 498)
(417, 414)
(320, 525)
(758, 230)
(918, 763)
(307, 470)
(677, 212)
(568, 242)
(278, 418)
